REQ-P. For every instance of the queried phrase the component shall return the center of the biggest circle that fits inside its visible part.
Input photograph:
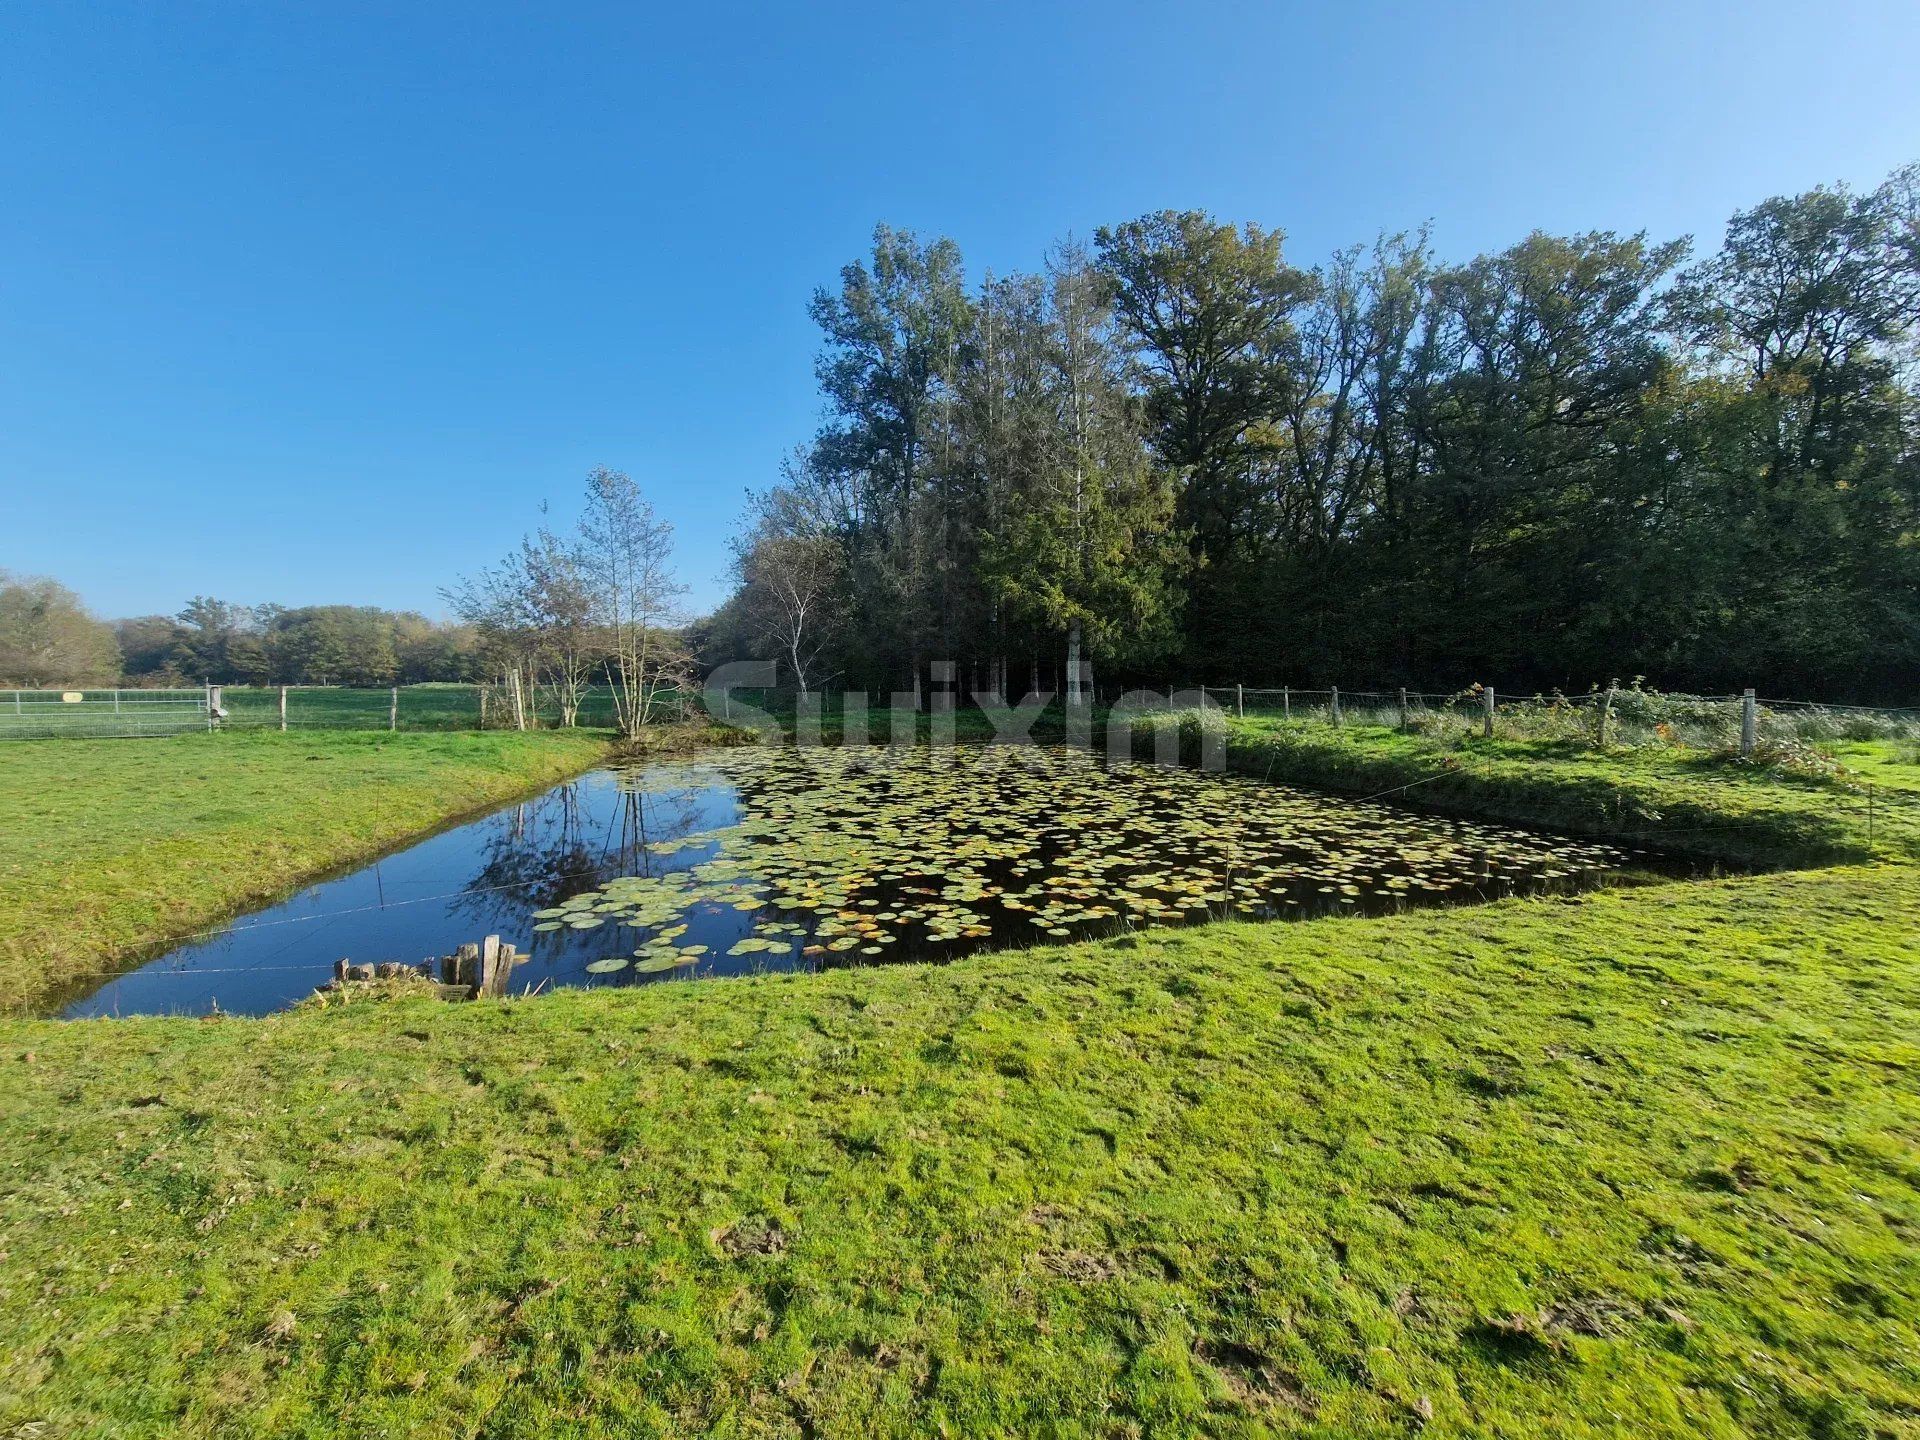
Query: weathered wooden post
(1336, 704)
(1240, 701)
(489, 978)
(462, 966)
(1487, 702)
(283, 707)
(1403, 707)
(216, 694)
(1606, 714)
(1286, 702)
(393, 709)
(1749, 722)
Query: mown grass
(109, 845)
(1639, 1163)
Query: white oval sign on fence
(73, 697)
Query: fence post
(116, 702)
(1335, 692)
(1403, 707)
(283, 708)
(393, 710)
(1240, 701)
(1486, 699)
(1286, 702)
(1748, 723)
(1606, 714)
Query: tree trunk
(1073, 664)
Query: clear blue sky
(316, 301)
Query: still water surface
(752, 860)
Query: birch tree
(626, 555)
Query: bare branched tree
(569, 647)
(496, 604)
(627, 560)
(793, 576)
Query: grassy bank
(106, 845)
(1639, 1163)
(1679, 801)
(1632, 1163)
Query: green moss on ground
(109, 845)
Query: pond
(758, 859)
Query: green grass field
(107, 845)
(1639, 1162)
(101, 714)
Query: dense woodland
(1174, 455)
(1581, 458)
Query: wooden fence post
(1606, 714)
(393, 710)
(283, 708)
(1486, 699)
(1749, 723)
(1240, 701)
(1286, 703)
(1335, 692)
(490, 979)
(1403, 707)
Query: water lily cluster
(869, 852)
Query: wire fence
(105, 714)
(41, 714)
(1618, 716)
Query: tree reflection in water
(558, 845)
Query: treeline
(596, 605)
(211, 640)
(48, 637)
(1583, 457)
